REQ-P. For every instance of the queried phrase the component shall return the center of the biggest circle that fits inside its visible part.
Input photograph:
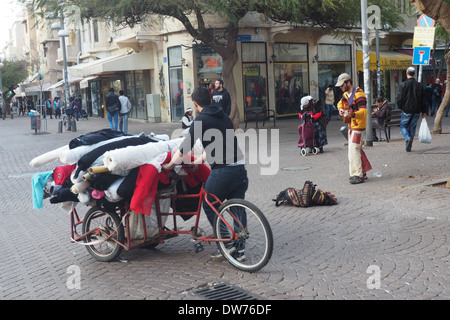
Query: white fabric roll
(135, 156)
(111, 193)
(78, 187)
(71, 156)
(48, 156)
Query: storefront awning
(389, 60)
(56, 85)
(85, 82)
(37, 88)
(117, 63)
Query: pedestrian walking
(77, 105)
(113, 108)
(411, 100)
(48, 107)
(57, 107)
(436, 97)
(221, 97)
(124, 111)
(353, 108)
(21, 107)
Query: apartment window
(95, 26)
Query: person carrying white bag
(411, 100)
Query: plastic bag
(424, 132)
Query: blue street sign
(421, 56)
(425, 21)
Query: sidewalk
(395, 223)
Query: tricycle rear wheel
(103, 230)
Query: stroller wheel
(315, 150)
(303, 151)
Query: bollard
(74, 125)
(60, 126)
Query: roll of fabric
(62, 173)
(71, 156)
(84, 197)
(111, 193)
(48, 156)
(88, 159)
(126, 188)
(64, 195)
(95, 137)
(135, 156)
(103, 181)
(97, 194)
(79, 187)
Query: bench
(258, 113)
(393, 119)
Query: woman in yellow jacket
(353, 108)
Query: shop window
(96, 98)
(134, 90)
(291, 76)
(333, 59)
(254, 68)
(209, 64)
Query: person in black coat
(113, 105)
(410, 99)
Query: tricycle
(105, 230)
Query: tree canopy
(333, 15)
(13, 73)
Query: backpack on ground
(305, 197)
(296, 197)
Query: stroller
(306, 132)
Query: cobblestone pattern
(393, 222)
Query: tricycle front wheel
(252, 247)
(104, 231)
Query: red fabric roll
(62, 173)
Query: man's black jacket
(411, 97)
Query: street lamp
(62, 33)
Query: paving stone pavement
(394, 226)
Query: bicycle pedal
(198, 247)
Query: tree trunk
(437, 129)
(228, 79)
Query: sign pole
(366, 66)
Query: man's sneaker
(240, 255)
(228, 246)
